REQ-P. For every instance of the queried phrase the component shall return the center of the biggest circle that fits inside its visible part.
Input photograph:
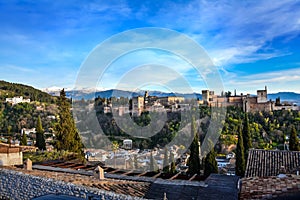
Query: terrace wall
(9, 156)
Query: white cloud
(15, 68)
(241, 28)
(277, 81)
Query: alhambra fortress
(249, 103)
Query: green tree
(166, 163)
(24, 139)
(194, 159)
(151, 162)
(40, 138)
(67, 135)
(9, 127)
(294, 141)
(135, 162)
(240, 156)
(247, 139)
(173, 166)
(210, 163)
(115, 147)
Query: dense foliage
(267, 129)
(294, 141)
(24, 115)
(262, 130)
(240, 164)
(8, 90)
(210, 163)
(67, 136)
(40, 138)
(194, 159)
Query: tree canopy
(40, 138)
(294, 141)
(240, 156)
(210, 163)
(194, 159)
(67, 134)
(247, 139)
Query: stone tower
(262, 95)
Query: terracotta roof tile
(269, 187)
(263, 163)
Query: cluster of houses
(135, 158)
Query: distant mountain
(89, 94)
(286, 96)
(79, 94)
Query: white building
(27, 131)
(16, 100)
(127, 144)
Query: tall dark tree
(67, 134)
(294, 141)
(194, 159)
(9, 134)
(151, 167)
(172, 165)
(24, 139)
(240, 156)
(166, 163)
(210, 163)
(40, 138)
(247, 139)
(135, 162)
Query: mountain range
(79, 94)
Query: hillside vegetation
(24, 115)
(8, 90)
(268, 130)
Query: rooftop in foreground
(287, 187)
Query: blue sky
(252, 43)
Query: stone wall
(11, 158)
(17, 185)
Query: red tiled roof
(263, 163)
(269, 187)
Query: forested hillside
(14, 89)
(268, 130)
(24, 115)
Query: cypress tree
(151, 162)
(24, 139)
(194, 159)
(67, 134)
(115, 148)
(173, 166)
(210, 163)
(166, 163)
(40, 138)
(294, 141)
(240, 156)
(135, 162)
(247, 140)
